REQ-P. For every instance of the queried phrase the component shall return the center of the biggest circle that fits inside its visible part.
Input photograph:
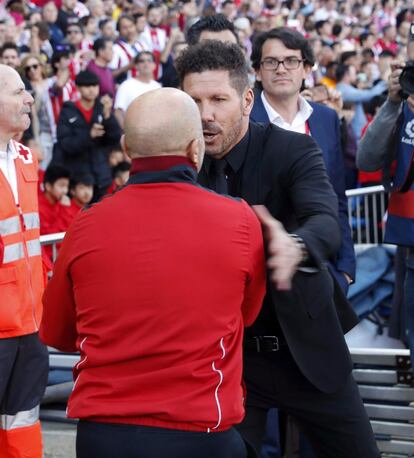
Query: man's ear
(195, 152)
(248, 100)
(124, 146)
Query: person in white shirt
(126, 49)
(134, 87)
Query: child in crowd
(81, 192)
(54, 201)
(54, 205)
(120, 174)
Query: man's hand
(284, 255)
(394, 87)
(106, 101)
(97, 130)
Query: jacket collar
(162, 169)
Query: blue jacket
(324, 129)
(400, 222)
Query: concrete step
(58, 440)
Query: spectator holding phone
(86, 132)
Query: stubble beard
(227, 142)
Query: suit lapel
(317, 132)
(259, 113)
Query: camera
(407, 79)
(407, 76)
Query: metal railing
(366, 212)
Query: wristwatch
(301, 245)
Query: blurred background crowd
(85, 61)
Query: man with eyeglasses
(132, 88)
(282, 59)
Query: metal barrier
(366, 211)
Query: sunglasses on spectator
(70, 31)
(31, 67)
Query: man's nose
(281, 68)
(29, 99)
(206, 112)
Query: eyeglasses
(290, 63)
(142, 61)
(69, 32)
(31, 67)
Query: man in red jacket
(156, 303)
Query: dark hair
(56, 56)
(86, 78)
(290, 38)
(103, 22)
(346, 55)
(9, 45)
(320, 24)
(43, 27)
(123, 16)
(75, 24)
(153, 5)
(100, 43)
(55, 172)
(367, 52)
(215, 23)
(84, 21)
(364, 37)
(386, 53)
(215, 55)
(86, 178)
(336, 30)
(122, 167)
(340, 72)
(144, 53)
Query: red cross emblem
(25, 154)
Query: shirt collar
(303, 114)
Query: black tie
(218, 177)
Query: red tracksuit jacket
(154, 285)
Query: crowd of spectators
(85, 61)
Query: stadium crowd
(84, 62)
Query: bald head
(15, 105)
(163, 122)
(7, 72)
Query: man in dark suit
(295, 354)
(282, 59)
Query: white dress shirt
(299, 122)
(8, 169)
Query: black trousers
(336, 424)
(24, 367)
(108, 440)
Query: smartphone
(319, 93)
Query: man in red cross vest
(24, 360)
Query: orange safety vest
(21, 272)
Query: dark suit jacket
(324, 129)
(285, 172)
